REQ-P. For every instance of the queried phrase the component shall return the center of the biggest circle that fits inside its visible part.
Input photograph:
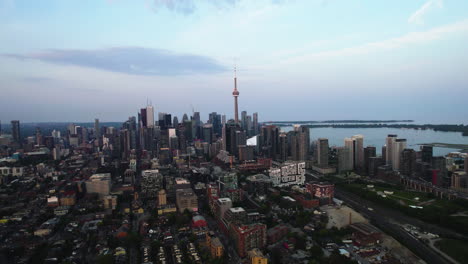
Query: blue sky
(297, 60)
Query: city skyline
(59, 56)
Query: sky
(77, 60)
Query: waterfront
(376, 137)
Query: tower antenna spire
(235, 93)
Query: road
(386, 220)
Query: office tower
(440, 163)
(255, 123)
(38, 136)
(235, 93)
(408, 162)
(97, 131)
(283, 147)
(230, 138)
(358, 152)
(384, 153)
(130, 125)
(150, 116)
(223, 120)
(168, 120)
(15, 131)
(344, 159)
(349, 144)
(322, 152)
(268, 141)
(244, 120)
(369, 152)
(397, 149)
(249, 127)
(215, 120)
(184, 118)
(175, 122)
(143, 118)
(196, 117)
(241, 139)
(0, 127)
(389, 151)
(374, 164)
(208, 133)
(299, 142)
(426, 154)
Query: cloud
(130, 60)
(187, 7)
(35, 79)
(389, 44)
(418, 16)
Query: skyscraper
(397, 149)
(15, 131)
(349, 144)
(150, 116)
(235, 93)
(97, 131)
(408, 162)
(322, 152)
(389, 144)
(369, 152)
(358, 152)
(255, 123)
(426, 154)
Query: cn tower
(235, 93)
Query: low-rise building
(255, 256)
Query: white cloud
(418, 16)
(389, 44)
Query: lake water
(376, 137)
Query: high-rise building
(97, 131)
(208, 133)
(283, 147)
(15, 131)
(175, 122)
(369, 152)
(235, 93)
(358, 152)
(231, 137)
(322, 152)
(397, 149)
(408, 162)
(345, 162)
(426, 153)
(255, 123)
(244, 120)
(384, 153)
(389, 150)
(268, 141)
(374, 164)
(349, 144)
(150, 116)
